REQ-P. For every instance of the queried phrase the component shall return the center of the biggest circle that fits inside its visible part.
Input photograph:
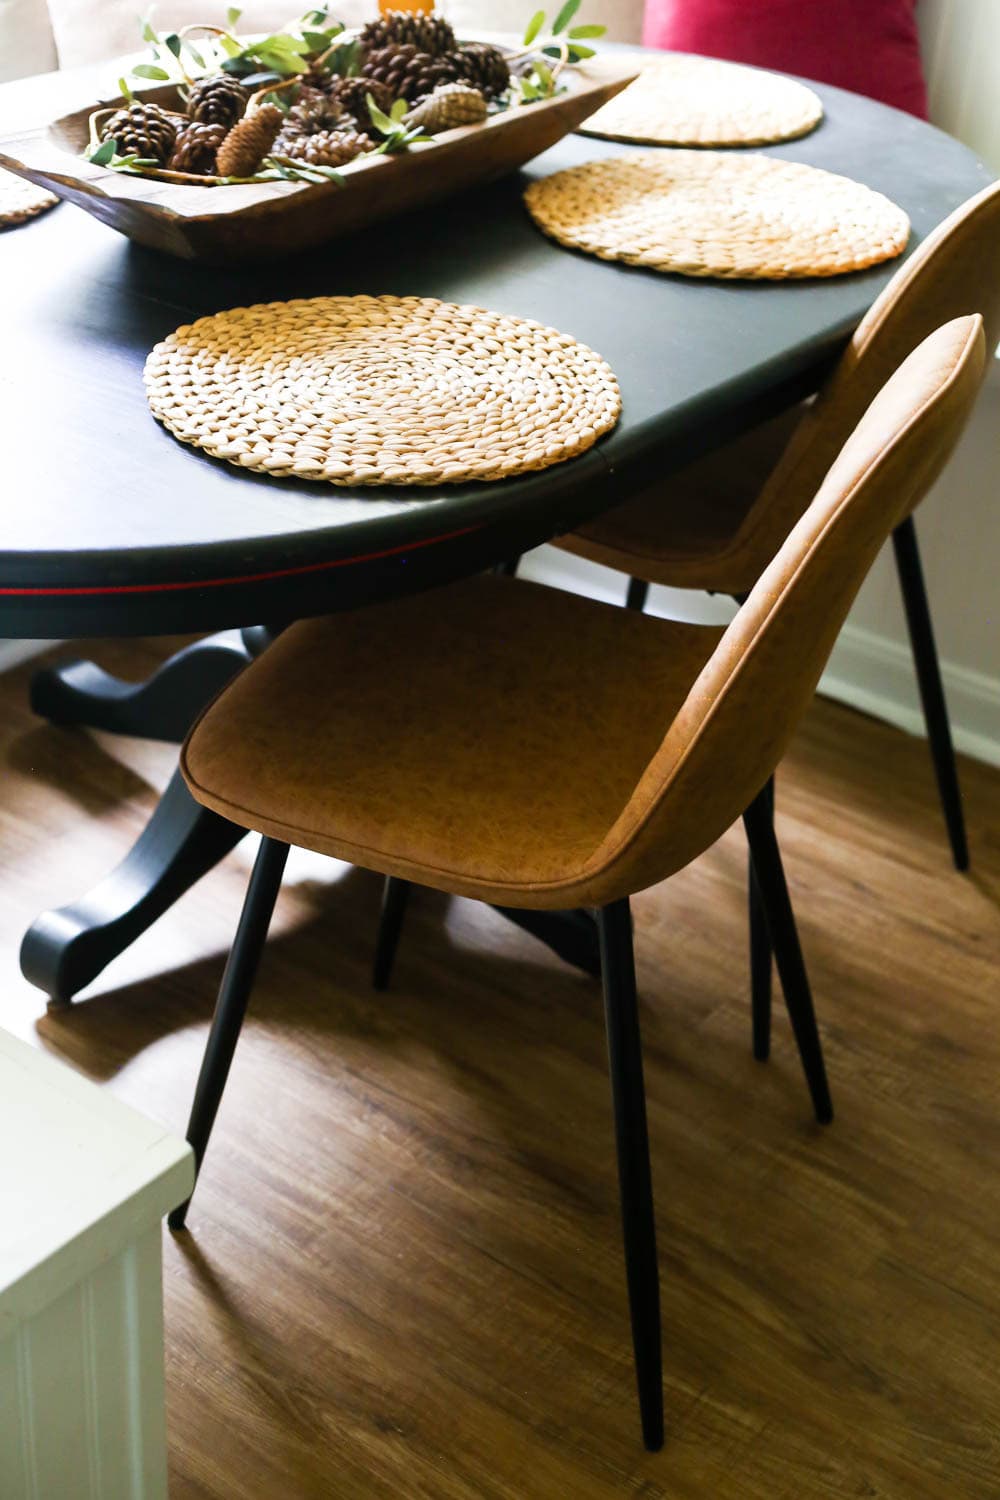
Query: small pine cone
(352, 96)
(483, 66)
(195, 148)
(218, 100)
(450, 105)
(141, 130)
(249, 141)
(330, 148)
(409, 73)
(402, 28)
(313, 114)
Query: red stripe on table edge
(213, 583)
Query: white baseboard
(870, 672)
(874, 673)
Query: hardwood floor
(403, 1276)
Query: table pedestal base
(64, 950)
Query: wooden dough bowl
(261, 221)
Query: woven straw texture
(380, 390)
(706, 213)
(697, 101)
(20, 200)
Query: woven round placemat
(20, 200)
(681, 100)
(380, 390)
(708, 213)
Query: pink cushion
(868, 46)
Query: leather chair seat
(482, 738)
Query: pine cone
(352, 96)
(218, 100)
(195, 148)
(483, 66)
(312, 114)
(330, 148)
(450, 105)
(402, 28)
(141, 130)
(409, 73)
(249, 141)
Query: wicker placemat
(20, 200)
(380, 390)
(697, 101)
(708, 213)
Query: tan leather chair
(717, 523)
(526, 746)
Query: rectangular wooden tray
(260, 221)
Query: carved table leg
(65, 949)
(161, 708)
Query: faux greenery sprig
(572, 47)
(268, 59)
(397, 135)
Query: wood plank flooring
(403, 1274)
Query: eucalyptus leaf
(173, 43)
(232, 16)
(198, 58)
(148, 34)
(258, 80)
(578, 53)
(582, 31)
(380, 120)
(150, 70)
(230, 45)
(124, 90)
(533, 27)
(103, 154)
(398, 110)
(566, 15)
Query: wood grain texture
(403, 1276)
(258, 221)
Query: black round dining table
(113, 527)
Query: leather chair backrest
(743, 709)
(954, 271)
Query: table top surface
(97, 496)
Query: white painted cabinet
(84, 1184)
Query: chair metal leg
(638, 593)
(507, 569)
(925, 659)
(759, 825)
(634, 1177)
(761, 956)
(395, 894)
(231, 1006)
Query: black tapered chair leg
(638, 593)
(395, 894)
(759, 824)
(628, 1099)
(231, 1006)
(508, 568)
(761, 957)
(925, 659)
